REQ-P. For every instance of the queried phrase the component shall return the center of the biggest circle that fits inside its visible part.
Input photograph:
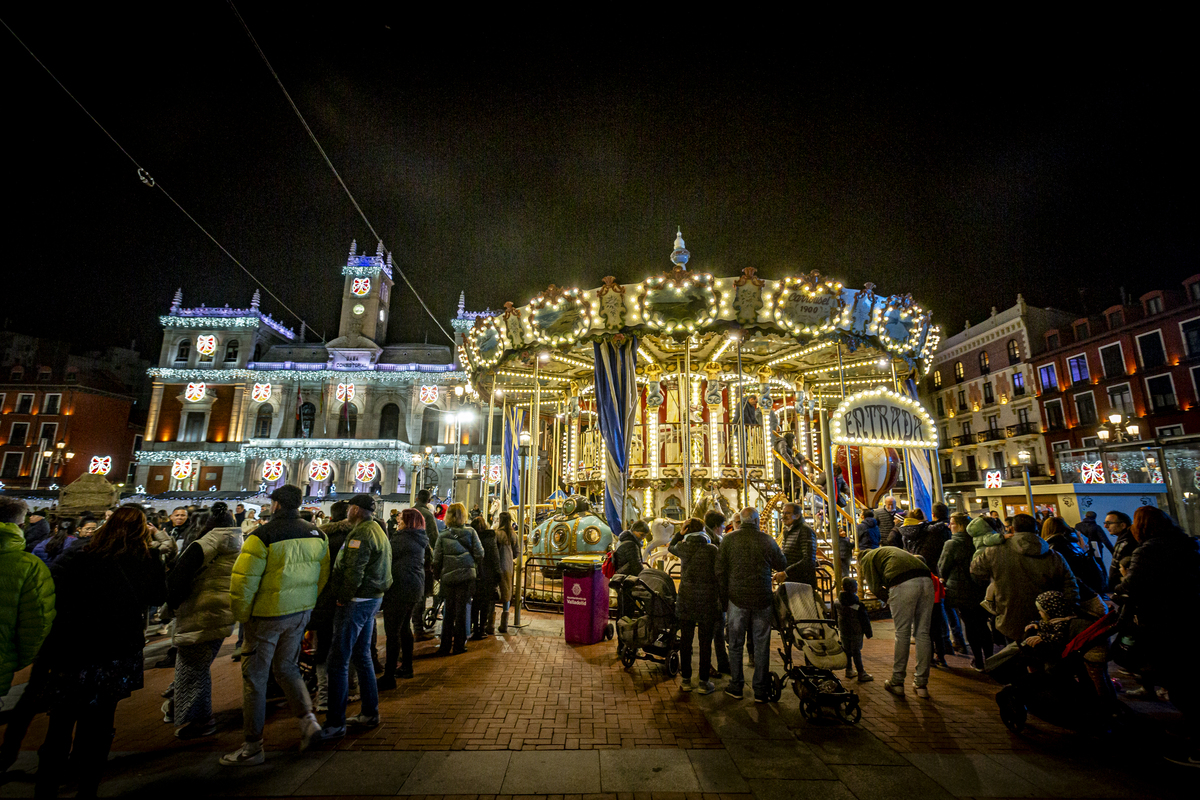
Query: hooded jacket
(746, 561)
(363, 568)
(698, 598)
(982, 535)
(26, 604)
(1091, 532)
(627, 560)
(35, 533)
(954, 568)
(198, 587)
(1022, 568)
(410, 551)
(885, 567)
(456, 554)
(282, 568)
(869, 535)
(926, 539)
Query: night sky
(501, 170)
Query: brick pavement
(530, 692)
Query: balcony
(990, 435)
(962, 441)
(1021, 429)
(963, 476)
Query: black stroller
(798, 617)
(646, 625)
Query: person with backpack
(1089, 573)
(455, 560)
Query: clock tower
(366, 295)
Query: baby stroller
(801, 622)
(646, 624)
(1059, 691)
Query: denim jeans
(272, 643)
(738, 622)
(352, 625)
(911, 604)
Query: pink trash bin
(585, 600)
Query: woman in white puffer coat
(198, 591)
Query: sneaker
(386, 683)
(1137, 693)
(685, 685)
(851, 674)
(331, 734)
(244, 756)
(706, 687)
(736, 694)
(354, 698)
(895, 688)
(922, 691)
(363, 721)
(164, 630)
(865, 677)
(195, 730)
(310, 731)
(168, 712)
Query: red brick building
(50, 402)
(1139, 359)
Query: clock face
(358, 309)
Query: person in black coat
(1088, 570)
(94, 651)
(487, 578)
(627, 560)
(411, 555)
(697, 605)
(799, 547)
(36, 529)
(1119, 525)
(963, 593)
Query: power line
(148, 180)
(321, 149)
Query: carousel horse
(710, 501)
(661, 531)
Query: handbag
(609, 568)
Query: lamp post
(522, 452)
(1120, 429)
(463, 415)
(54, 457)
(1024, 456)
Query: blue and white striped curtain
(616, 401)
(511, 479)
(921, 492)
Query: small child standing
(853, 625)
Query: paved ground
(528, 715)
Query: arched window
(231, 350)
(347, 421)
(958, 371)
(389, 422)
(185, 350)
(937, 378)
(1014, 353)
(262, 423)
(304, 422)
(984, 362)
(431, 426)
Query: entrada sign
(883, 418)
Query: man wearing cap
(360, 576)
(282, 568)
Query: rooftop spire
(379, 248)
(177, 301)
(462, 302)
(679, 256)
(353, 247)
(256, 299)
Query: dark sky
(499, 170)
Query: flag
(616, 396)
(920, 494)
(511, 459)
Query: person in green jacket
(26, 596)
(905, 583)
(282, 568)
(360, 576)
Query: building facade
(240, 402)
(981, 392)
(1140, 360)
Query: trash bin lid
(581, 566)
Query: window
(1196, 381)
(262, 422)
(1085, 407)
(137, 442)
(24, 404)
(3, 397)
(1014, 352)
(988, 395)
(1091, 442)
(18, 434)
(962, 400)
(12, 465)
(1193, 290)
(304, 421)
(1023, 416)
(193, 426)
(937, 378)
(49, 432)
(984, 363)
(1052, 341)
(1191, 336)
(184, 352)
(347, 421)
(941, 410)
(43, 373)
(1151, 347)
(17, 373)
(51, 403)
(966, 428)
(1112, 357)
(431, 424)
(1048, 378)
(1154, 305)
(1120, 398)
(1054, 416)
(1078, 367)
(1082, 331)
(958, 371)
(389, 422)
(1162, 392)
(993, 423)
(1169, 430)
(1115, 319)
(231, 350)
(1018, 383)
(72, 375)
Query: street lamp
(1120, 429)
(54, 457)
(524, 439)
(1025, 457)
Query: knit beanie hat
(1053, 604)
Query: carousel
(687, 391)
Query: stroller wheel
(809, 709)
(850, 711)
(1012, 710)
(775, 686)
(672, 665)
(628, 655)
(609, 631)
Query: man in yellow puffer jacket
(281, 570)
(26, 596)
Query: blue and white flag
(921, 492)
(616, 401)
(511, 460)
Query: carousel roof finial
(679, 256)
